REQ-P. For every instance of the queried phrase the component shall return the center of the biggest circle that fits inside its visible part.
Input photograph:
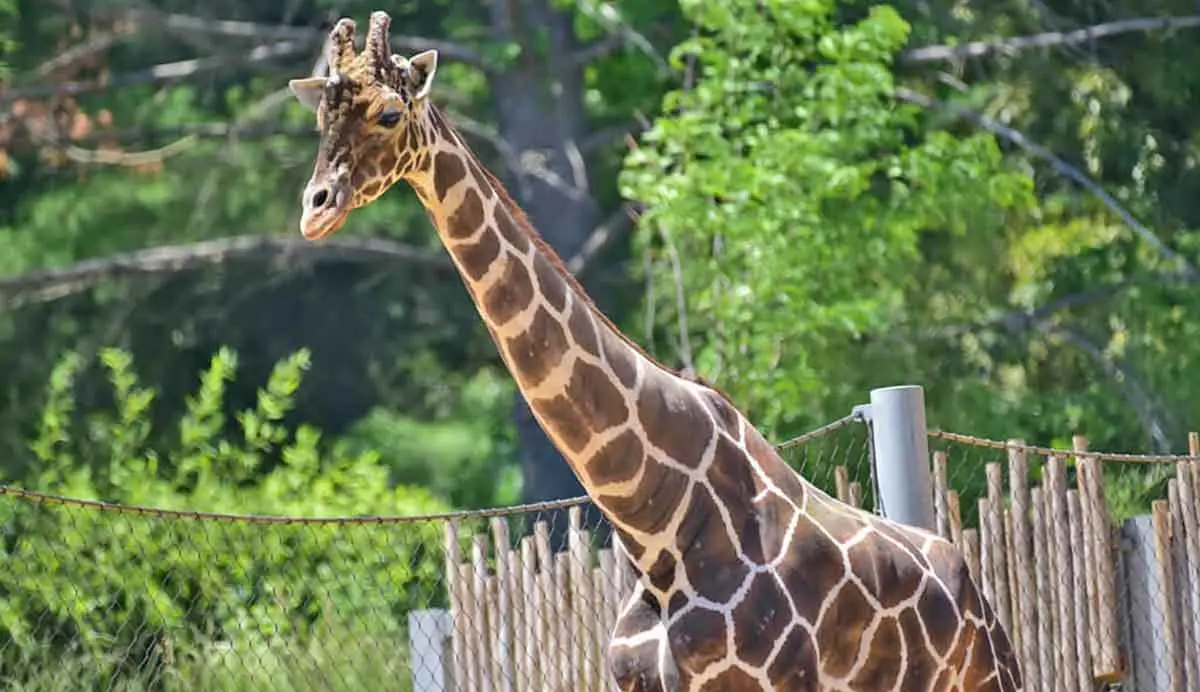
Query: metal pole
(903, 477)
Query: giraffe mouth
(326, 214)
(323, 223)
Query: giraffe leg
(638, 653)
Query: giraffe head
(372, 114)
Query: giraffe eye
(389, 118)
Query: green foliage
(466, 455)
(87, 582)
(788, 196)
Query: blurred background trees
(797, 200)
(832, 197)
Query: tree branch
(608, 16)
(258, 32)
(285, 253)
(1064, 168)
(1137, 395)
(286, 42)
(616, 225)
(1048, 39)
(598, 49)
(163, 72)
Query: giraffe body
(750, 578)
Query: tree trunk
(541, 116)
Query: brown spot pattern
(448, 169)
(941, 619)
(662, 573)
(731, 680)
(596, 398)
(583, 329)
(710, 558)
(478, 256)
(676, 603)
(889, 576)
(617, 461)
(553, 286)
(467, 218)
(636, 550)
(810, 569)
(562, 421)
(794, 668)
(477, 174)
(673, 419)
(510, 294)
(760, 619)
(538, 350)
(882, 668)
(652, 507)
(701, 633)
(515, 236)
(921, 668)
(841, 629)
(723, 411)
(620, 357)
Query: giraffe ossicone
(750, 577)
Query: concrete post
(902, 472)
(429, 641)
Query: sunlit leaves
(797, 193)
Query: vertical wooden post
(1056, 481)
(998, 545)
(941, 488)
(1161, 516)
(1042, 565)
(1018, 484)
(1188, 477)
(1081, 605)
(460, 636)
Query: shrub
(134, 593)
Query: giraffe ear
(422, 67)
(308, 91)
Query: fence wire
(1092, 560)
(113, 597)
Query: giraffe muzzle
(325, 209)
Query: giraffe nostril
(319, 198)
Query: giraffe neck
(636, 434)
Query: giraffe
(749, 576)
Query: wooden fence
(1047, 556)
(525, 618)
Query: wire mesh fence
(1092, 560)
(102, 596)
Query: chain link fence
(1092, 560)
(113, 597)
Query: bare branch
(163, 72)
(598, 49)
(616, 225)
(1064, 168)
(96, 44)
(1048, 39)
(287, 42)
(601, 138)
(127, 158)
(311, 36)
(608, 16)
(684, 347)
(285, 253)
(1137, 395)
